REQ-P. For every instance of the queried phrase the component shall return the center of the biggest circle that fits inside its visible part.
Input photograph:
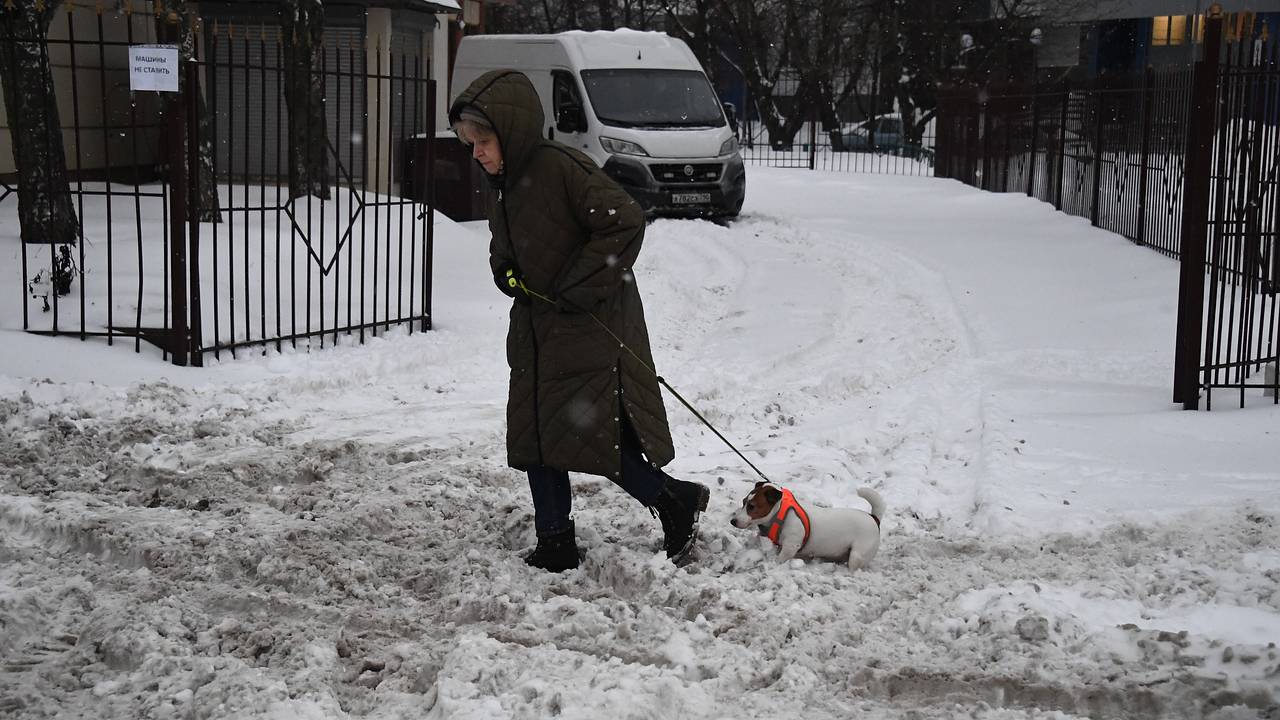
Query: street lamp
(966, 47)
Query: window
(1168, 30)
(570, 116)
(1238, 26)
(644, 97)
(1172, 29)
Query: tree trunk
(302, 23)
(606, 15)
(206, 185)
(45, 211)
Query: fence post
(428, 252)
(973, 127)
(940, 136)
(1035, 137)
(1097, 154)
(1008, 145)
(192, 105)
(179, 335)
(813, 142)
(1147, 92)
(984, 122)
(1195, 219)
(1062, 145)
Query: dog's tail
(877, 502)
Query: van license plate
(690, 198)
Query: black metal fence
(278, 266)
(286, 268)
(113, 281)
(1183, 160)
(1241, 317)
(1111, 151)
(879, 141)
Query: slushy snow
(333, 534)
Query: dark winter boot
(678, 507)
(555, 553)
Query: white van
(637, 102)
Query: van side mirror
(731, 114)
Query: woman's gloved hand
(511, 283)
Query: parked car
(882, 135)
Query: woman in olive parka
(584, 396)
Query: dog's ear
(762, 482)
(773, 495)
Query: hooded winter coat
(573, 233)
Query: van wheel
(724, 219)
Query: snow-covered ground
(335, 534)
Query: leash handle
(661, 380)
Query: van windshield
(653, 98)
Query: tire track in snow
(825, 389)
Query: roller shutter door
(250, 111)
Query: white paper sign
(153, 67)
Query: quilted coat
(573, 233)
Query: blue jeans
(553, 499)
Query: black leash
(698, 415)
(661, 380)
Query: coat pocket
(576, 343)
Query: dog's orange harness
(788, 504)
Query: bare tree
(551, 16)
(828, 50)
(743, 33)
(518, 17)
(916, 41)
(605, 8)
(799, 60)
(691, 22)
(302, 26)
(920, 49)
(45, 211)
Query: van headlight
(621, 147)
(729, 146)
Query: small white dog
(816, 532)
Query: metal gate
(149, 263)
(281, 269)
(1234, 313)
